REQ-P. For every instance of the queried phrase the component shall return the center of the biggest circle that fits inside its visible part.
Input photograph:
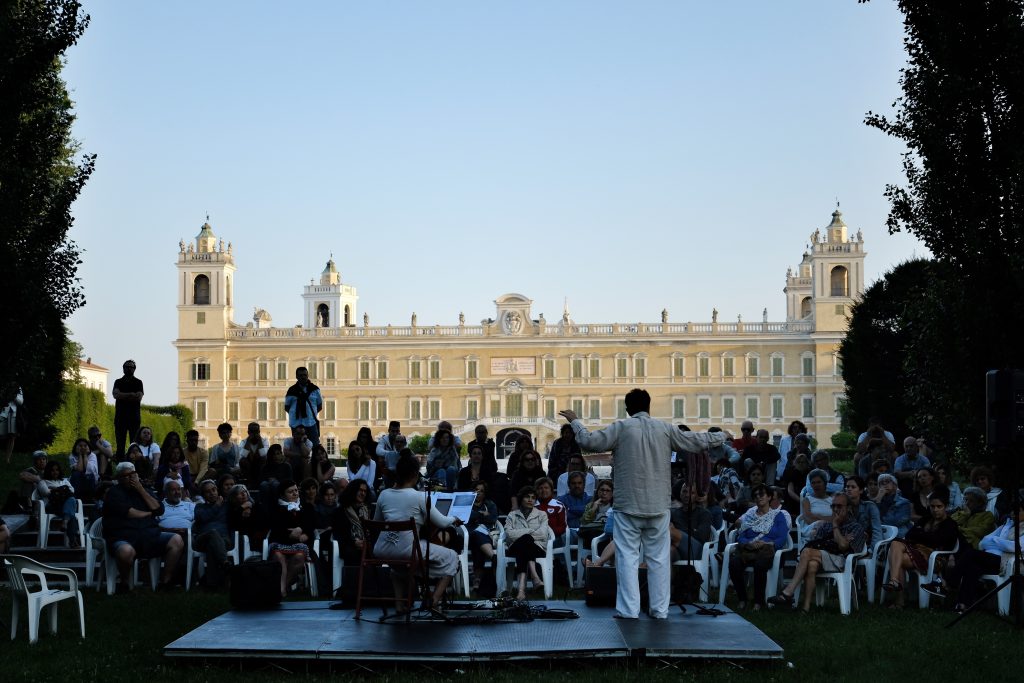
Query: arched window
(840, 281)
(323, 316)
(201, 290)
(348, 316)
(805, 307)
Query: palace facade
(512, 370)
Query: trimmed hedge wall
(82, 407)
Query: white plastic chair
(704, 562)
(567, 549)
(1003, 596)
(463, 576)
(870, 564)
(845, 585)
(109, 563)
(46, 518)
(337, 564)
(772, 583)
(923, 595)
(95, 550)
(18, 567)
(193, 558)
(547, 563)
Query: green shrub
(844, 440)
(418, 444)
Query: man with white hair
(178, 514)
(131, 531)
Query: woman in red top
(554, 508)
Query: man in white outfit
(642, 469)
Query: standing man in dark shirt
(127, 407)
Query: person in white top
(150, 450)
(576, 464)
(9, 415)
(400, 504)
(59, 497)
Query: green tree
(874, 350)
(961, 119)
(39, 181)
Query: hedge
(82, 407)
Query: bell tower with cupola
(836, 261)
(329, 303)
(206, 271)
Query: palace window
(776, 407)
(679, 408)
(752, 407)
(704, 407)
(200, 371)
(728, 408)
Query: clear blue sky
(628, 156)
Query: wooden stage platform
(310, 631)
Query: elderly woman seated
(816, 506)
(974, 520)
(291, 533)
(833, 540)
(893, 508)
(762, 530)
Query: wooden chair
(410, 566)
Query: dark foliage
(39, 181)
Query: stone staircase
(25, 541)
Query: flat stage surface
(308, 630)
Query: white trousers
(630, 534)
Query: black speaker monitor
(1004, 408)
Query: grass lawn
(125, 636)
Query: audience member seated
(988, 558)
(981, 477)
(561, 448)
(174, 467)
(30, 478)
(85, 470)
(225, 456)
(388, 449)
(309, 491)
(943, 478)
(547, 503)
(475, 471)
(836, 482)
(291, 533)
(530, 470)
(361, 465)
(575, 502)
(482, 531)
(924, 484)
(210, 534)
(755, 477)
(274, 472)
(833, 540)
(815, 507)
(253, 453)
(762, 531)
(893, 508)
(524, 444)
(728, 483)
(178, 514)
(245, 516)
(443, 460)
(874, 448)
(347, 523)
(793, 481)
(974, 520)
(911, 461)
(692, 522)
(298, 450)
(595, 514)
(364, 437)
(746, 439)
(103, 451)
(863, 510)
(197, 457)
(863, 437)
(526, 535)
(762, 453)
(131, 531)
(324, 470)
(606, 546)
(577, 463)
(795, 441)
(487, 444)
(150, 452)
(58, 495)
(404, 502)
(225, 483)
(326, 507)
(935, 532)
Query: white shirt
(178, 516)
(368, 473)
(92, 466)
(562, 487)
